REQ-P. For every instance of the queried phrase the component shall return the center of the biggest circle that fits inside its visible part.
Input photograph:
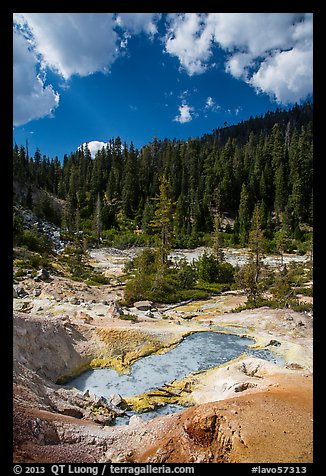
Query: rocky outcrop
(45, 346)
(31, 221)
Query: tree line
(265, 162)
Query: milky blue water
(196, 352)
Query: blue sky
(91, 77)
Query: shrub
(185, 274)
(129, 317)
(211, 270)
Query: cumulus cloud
(94, 146)
(287, 75)
(72, 43)
(32, 99)
(188, 38)
(184, 113)
(257, 45)
(139, 22)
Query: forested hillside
(267, 160)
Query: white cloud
(211, 105)
(258, 45)
(139, 22)
(237, 65)
(287, 75)
(72, 43)
(32, 99)
(94, 146)
(253, 33)
(189, 40)
(185, 113)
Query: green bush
(185, 274)
(97, 279)
(129, 317)
(210, 270)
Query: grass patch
(129, 317)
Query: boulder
(43, 274)
(143, 305)
(149, 314)
(115, 310)
(244, 386)
(135, 421)
(115, 399)
(19, 292)
(274, 343)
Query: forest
(264, 162)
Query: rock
(74, 300)
(300, 324)
(101, 402)
(104, 302)
(143, 305)
(85, 317)
(37, 291)
(19, 292)
(115, 399)
(294, 366)
(115, 310)
(43, 274)
(149, 314)
(100, 419)
(135, 420)
(244, 386)
(274, 342)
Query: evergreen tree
(162, 221)
(244, 215)
(130, 186)
(97, 220)
(256, 241)
(68, 216)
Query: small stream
(198, 351)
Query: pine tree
(256, 241)
(244, 215)
(282, 241)
(68, 221)
(130, 186)
(162, 221)
(97, 220)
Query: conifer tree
(256, 241)
(97, 220)
(244, 215)
(162, 221)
